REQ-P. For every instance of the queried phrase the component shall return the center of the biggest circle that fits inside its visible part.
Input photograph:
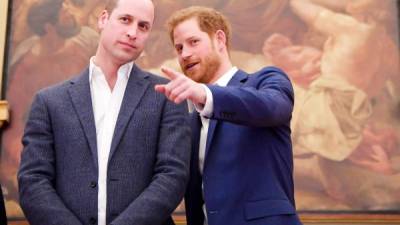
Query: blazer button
(93, 184)
(92, 220)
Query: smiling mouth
(190, 65)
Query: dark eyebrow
(192, 37)
(126, 15)
(145, 23)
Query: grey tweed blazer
(147, 167)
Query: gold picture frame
(3, 32)
(4, 114)
(312, 217)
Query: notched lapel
(82, 102)
(196, 127)
(210, 134)
(135, 89)
(237, 80)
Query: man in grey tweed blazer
(104, 147)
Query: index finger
(171, 74)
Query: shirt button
(93, 184)
(92, 220)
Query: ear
(103, 19)
(221, 40)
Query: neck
(108, 67)
(225, 66)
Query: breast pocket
(264, 208)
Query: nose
(186, 53)
(132, 31)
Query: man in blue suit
(242, 163)
(104, 147)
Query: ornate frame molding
(3, 33)
(4, 114)
(308, 218)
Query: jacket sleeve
(171, 172)
(36, 176)
(265, 100)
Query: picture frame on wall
(346, 121)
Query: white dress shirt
(106, 106)
(205, 112)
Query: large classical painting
(342, 57)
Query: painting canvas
(342, 57)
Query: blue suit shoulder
(55, 89)
(277, 77)
(271, 71)
(153, 78)
(156, 79)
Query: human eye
(144, 26)
(194, 41)
(178, 48)
(124, 19)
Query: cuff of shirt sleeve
(206, 110)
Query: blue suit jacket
(147, 167)
(248, 165)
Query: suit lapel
(210, 134)
(82, 102)
(136, 87)
(196, 126)
(237, 80)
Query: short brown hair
(210, 21)
(111, 4)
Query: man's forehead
(136, 8)
(187, 27)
